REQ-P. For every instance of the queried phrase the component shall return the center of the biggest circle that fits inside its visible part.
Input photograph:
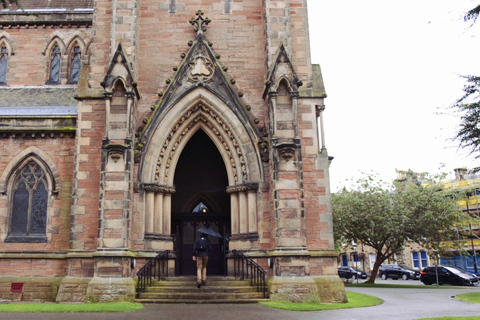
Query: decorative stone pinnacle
(199, 23)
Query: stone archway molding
(40, 156)
(200, 109)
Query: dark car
(448, 275)
(396, 271)
(350, 272)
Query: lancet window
(75, 65)
(3, 64)
(55, 65)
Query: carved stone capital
(151, 187)
(130, 95)
(319, 109)
(294, 94)
(243, 187)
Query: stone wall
(35, 289)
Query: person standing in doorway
(200, 255)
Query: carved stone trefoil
(201, 68)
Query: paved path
(400, 304)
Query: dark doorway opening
(200, 200)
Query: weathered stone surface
(110, 290)
(331, 289)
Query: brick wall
(29, 63)
(60, 152)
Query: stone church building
(126, 125)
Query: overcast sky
(389, 68)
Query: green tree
(386, 217)
(468, 134)
(472, 15)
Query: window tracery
(3, 64)
(55, 64)
(29, 202)
(75, 65)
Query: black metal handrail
(245, 268)
(152, 270)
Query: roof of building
(45, 100)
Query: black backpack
(202, 244)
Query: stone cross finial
(200, 23)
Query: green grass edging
(84, 307)
(473, 297)
(355, 300)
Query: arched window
(3, 64)
(55, 64)
(200, 208)
(75, 65)
(28, 207)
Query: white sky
(389, 67)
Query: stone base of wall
(73, 289)
(331, 289)
(35, 289)
(323, 289)
(110, 290)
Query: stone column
(242, 196)
(243, 199)
(149, 212)
(252, 212)
(320, 109)
(234, 213)
(159, 214)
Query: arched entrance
(200, 200)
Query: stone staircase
(184, 290)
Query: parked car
(350, 272)
(448, 275)
(396, 271)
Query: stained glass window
(29, 205)
(3, 65)
(55, 66)
(75, 65)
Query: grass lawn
(473, 297)
(60, 307)
(355, 300)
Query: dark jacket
(198, 253)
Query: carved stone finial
(200, 23)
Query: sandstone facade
(120, 119)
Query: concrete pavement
(400, 304)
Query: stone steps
(217, 290)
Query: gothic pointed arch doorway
(200, 200)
